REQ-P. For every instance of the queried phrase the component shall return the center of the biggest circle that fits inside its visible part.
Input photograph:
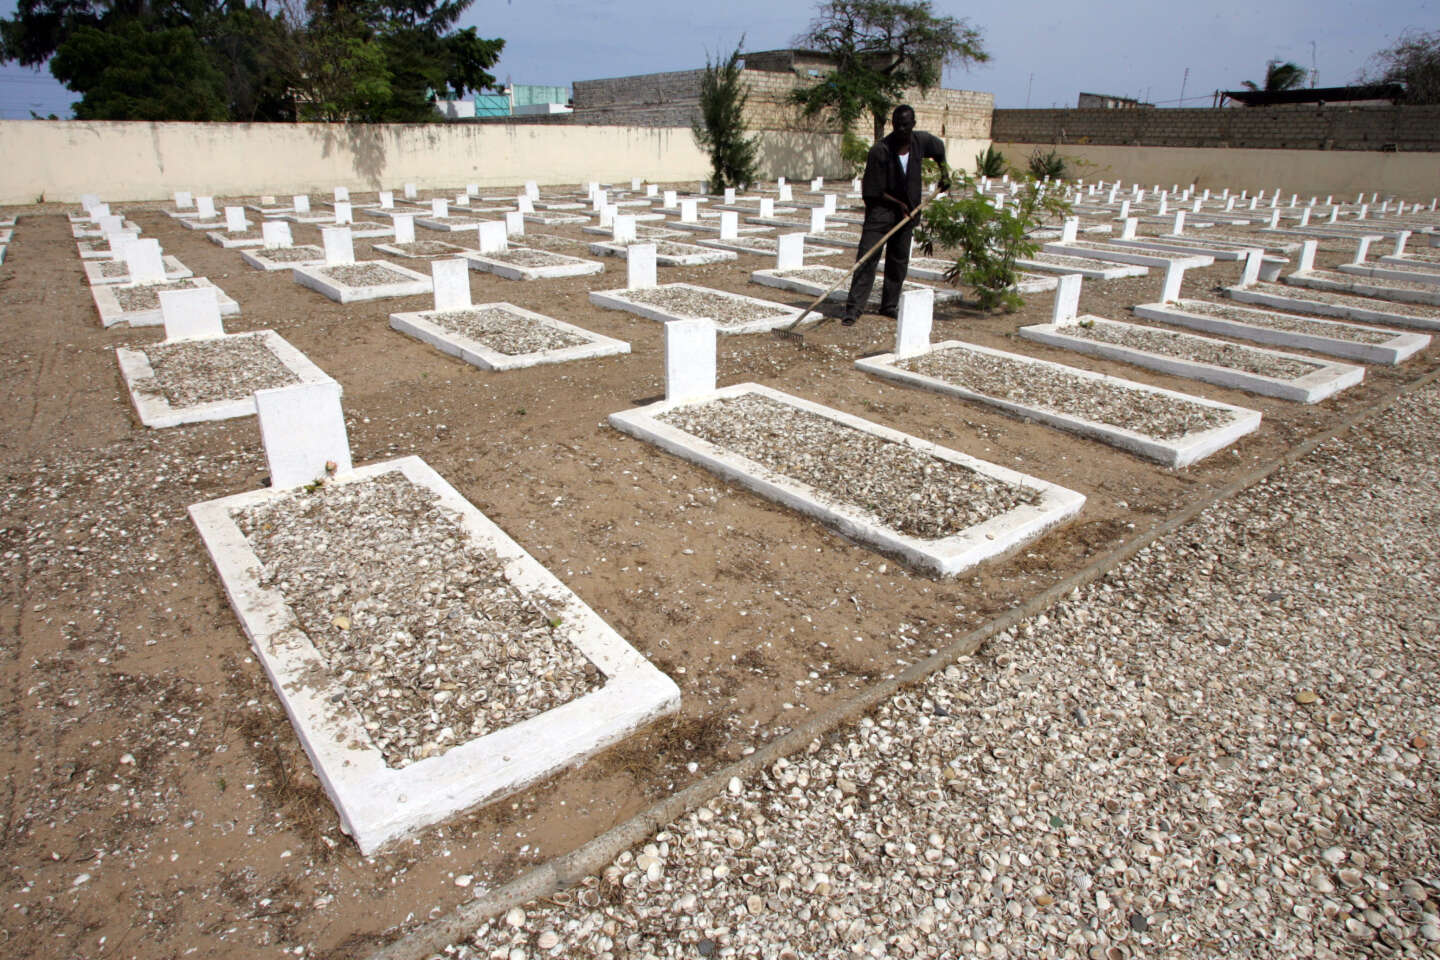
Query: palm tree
(1279, 76)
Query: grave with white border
(343, 279)
(731, 313)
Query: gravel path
(430, 642)
(505, 331)
(1036, 385)
(1188, 346)
(908, 490)
(1225, 748)
(207, 371)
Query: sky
(1042, 52)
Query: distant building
(1364, 95)
(1102, 101)
(517, 100)
(673, 99)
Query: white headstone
(301, 203)
(266, 200)
(1400, 240)
(1274, 218)
(88, 200)
(339, 246)
(817, 219)
(1178, 227)
(607, 214)
(602, 197)
(640, 266)
(1114, 189)
(183, 200)
(472, 189)
(144, 263)
(670, 199)
(729, 225)
(1362, 247)
(462, 200)
(591, 189)
(1174, 276)
(729, 194)
(827, 203)
(110, 224)
(789, 251)
(404, 227)
(689, 358)
(1307, 256)
(387, 199)
(1070, 230)
(303, 429)
(410, 193)
(120, 242)
(205, 207)
(98, 211)
(652, 190)
(342, 193)
(1127, 232)
(622, 228)
(1254, 260)
(779, 182)
(688, 211)
(786, 194)
(491, 235)
(815, 185)
(1067, 299)
(916, 317)
(1362, 212)
(440, 207)
(532, 190)
(514, 223)
(451, 279)
(192, 314)
(1196, 207)
(344, 213)
(275, 234)
(524, 204)
(1304, 216)
(1334, 214)
(1163, 207)
(767, 207)
(855, 185)
(635, 183)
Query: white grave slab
(689, 358)
(205, 208)
(515, 224)
(914, 321)
(789, 251)
(767, 315)
(492, 236)
(235, 221)
(640, 272)
(303, 430)
(108, 302)
(335, 281)
(946, 556)
(192, 314)
(144, 262)
(339, 246)
(433, 327)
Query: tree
(881, 48)
(1279, 76)
(1413, 61)
(132, 73)
(720, 127)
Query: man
(891, 189)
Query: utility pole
(1184, 80)
(1314, 71)
(1028, 85)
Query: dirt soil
(155, 801)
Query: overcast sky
(1042, 51)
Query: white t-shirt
(904, 159)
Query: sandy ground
(157, 803)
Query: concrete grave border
(773, 278)
(1317, 280)
(418, 324)
(378, 804)
(576, 267)
(1330, 379)
(1180, 452)
(108, 304)
(740, 246)
(1344, 311)
(945, 557)
(155, 411)
(617, 300)
(700, 257)
(257, 258)
(1400, 346)
(174, 270)
(310, 276)
(1102, 269)
(455, 250)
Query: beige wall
(1414, 176)
(150, 161)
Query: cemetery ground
(155, 800)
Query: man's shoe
(848, 322)
(892, 314)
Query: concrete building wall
(1307, 128)
(1413, 176)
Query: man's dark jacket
(883, 174)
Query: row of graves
(392, 768)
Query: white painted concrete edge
(421, 326)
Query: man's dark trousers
(878, 221)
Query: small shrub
(1047, 165)
(988, 239)
(990, 163)
(854, 151)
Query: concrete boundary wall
(150, 161)
(1412, 176)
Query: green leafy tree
(1413, 61)
(720, 127)
(881, 48)
(989, 163)
(987, 240)
(132, 73)
(1279, 76)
